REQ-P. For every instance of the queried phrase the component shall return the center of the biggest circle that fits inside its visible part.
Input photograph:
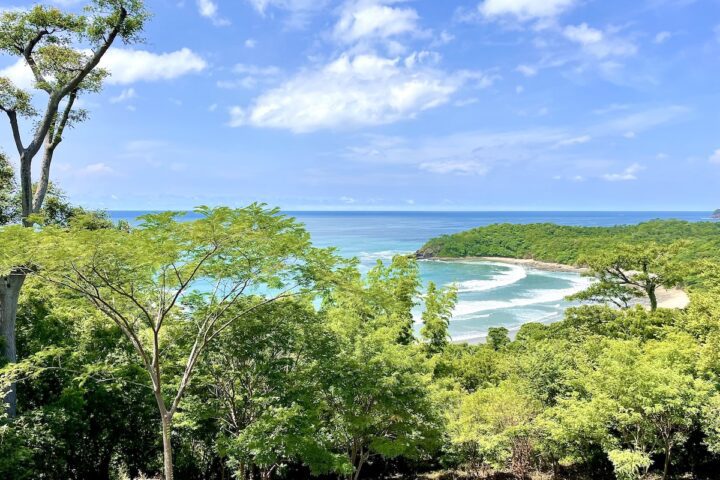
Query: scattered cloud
(568, 142)
(252, 76)
(569, 178)
(262, 6)
(209, 10)
(129, 66)
(526, 70)
(715, 157)
(20, 74)
(630, 173)
(598, 43)
(615, 107)
(643, 120)
(455, 167)
(124, 96)
(662, 37)
(524, 10)
(256, 70)
(95, 169)
(250, 43)
(354, 91)
(298, 11)
(371, 20)
(126, 67)
(465, 153)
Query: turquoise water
(489, 294)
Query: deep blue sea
(490, 294)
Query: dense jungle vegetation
(255, 355)
(230, 347)
(568, 244)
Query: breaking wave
(470, 307)
(511, 274)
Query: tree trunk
(9, 295)
(653, 298)
(26, 187)
(167, 446)
(666, 467)
(44, 181)
(363, 458)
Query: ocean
(490, 294)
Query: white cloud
(526, 70)
(568, 142)
(246, 69)
(129, 66)
(366, 20)
(209, 9)
(96, 169)
(525, 9)
(598, 43)
(20, 74)
(348, 200)
(570, 178)
(353, 91)
(630, 173)
(629, 135)
(641, 121)
(250, 43)
(662, 37)
(125, 95)
(465, 153)
(715, 157)
(126, 67)
(455, 167)
(253, 75)
(583, 34)
(614, 107)
(295, 6)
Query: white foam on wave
(469, 307)
(372, 257)
(511, 274)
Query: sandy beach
(667, 298)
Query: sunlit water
(490, 294)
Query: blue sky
(424, 105)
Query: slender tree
(627, 270)
(173, 287)
(63, 51)
(436, 317)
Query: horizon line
(426, 211)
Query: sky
(402, 105)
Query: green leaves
(15, 99)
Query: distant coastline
(525, 262)
(675, 298)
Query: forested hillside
(229, 347)
(567, 244)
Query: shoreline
(673, 298)
(527, 262)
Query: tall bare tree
(63, 51)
